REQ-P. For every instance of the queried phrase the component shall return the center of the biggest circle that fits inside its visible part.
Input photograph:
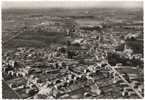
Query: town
(73, 56)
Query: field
(16, 20)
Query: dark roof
(136, 45)
(73, 48)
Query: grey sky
(70, 4)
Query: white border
(72, 0)
(42, 1)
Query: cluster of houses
(52, 72)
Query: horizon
(70, 4)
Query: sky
(71, 4)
